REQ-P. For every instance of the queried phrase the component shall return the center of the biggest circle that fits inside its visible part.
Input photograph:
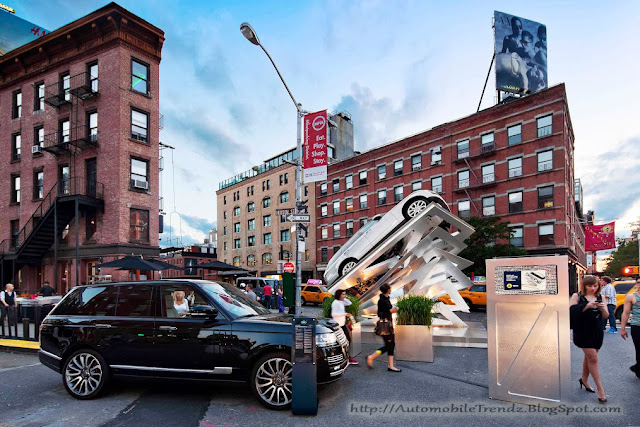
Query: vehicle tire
(303, 301)
(85, 374)
(271, 380)
(470, 304)
(414, 206)
(348, 265)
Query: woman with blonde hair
(587, 312)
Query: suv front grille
(342, 339)
(335, 360)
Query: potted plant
(355, 311)
(414, 337)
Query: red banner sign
(315, 146)
(600, 237)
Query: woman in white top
(180, 304)
(339, 314)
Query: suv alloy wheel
(271, 380)
(85, 373)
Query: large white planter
(414, 343)
(356, 340)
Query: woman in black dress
(385, 308)
(587, 312)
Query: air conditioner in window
(36, 149)
(143, 185)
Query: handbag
(383, 327)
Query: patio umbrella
(133, 263)
(218, 265)
(165, 265)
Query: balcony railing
(56, 143)
(81, 136)
(82, 86)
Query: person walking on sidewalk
(267, 295)
(632, 308)
(340, 315)
(609, 296)
(9, 305)
(385, 309)
(587, 311)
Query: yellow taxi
(475, 296)
(623, 287)
(314, 294)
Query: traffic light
(630, 270)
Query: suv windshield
(232, 300)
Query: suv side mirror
(203, 312)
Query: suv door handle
(103, 325)
(167, 328)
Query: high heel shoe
(394, 369)
(602, 400)
(586, 387)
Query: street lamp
(249, 33)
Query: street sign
(299, 218)
(288, 267)
(285, 211)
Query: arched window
(251, 260)
(236, 261)
(267, 259)
(286, 255)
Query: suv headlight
(326, 340)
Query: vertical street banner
(315, 146)
(600, 237)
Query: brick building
(187, 259)
(79, 120)
(514, 160)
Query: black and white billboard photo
(521, 54)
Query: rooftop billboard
(15, 32)
(521, 54)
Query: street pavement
(440, 393)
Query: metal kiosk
(528, 329)
(304, 387)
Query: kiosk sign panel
(304, 387)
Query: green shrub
(353, 309)
(415, 310)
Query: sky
(398, 67)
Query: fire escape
(70, 194)
(465, 155)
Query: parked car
(314, 294)
(475, 296)
(139, 329)
(257, 284)
(376, 230)
(622, 287)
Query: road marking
(18, 367)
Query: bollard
(37, 316)
(25, 328)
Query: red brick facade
(112, 37)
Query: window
(38, 184)
(323, 210)
(515, 202)
(225, 246)
(266, 184)
(363, 201)
(487, 142)
(545, 234)
(336, 249)
(266, 221)
(544, 126)
(139, 76)
(64, 130)
(92, 74)
(415, 186)
(382, 197)
(416, 162)
(266, 238)
(284, 197)
(91, 301)
(336, 207)
(224, 214)
(323, 189)
(515, 167)
(464, 209)
(224, 232)
(324, 232)
(139, 174)
(307, 255)
(38, 97)
(15, 232)
(281, 177)
(306, 190)
(286, 178)
(139, 225)
(283, 217)
(336, 230)
(266, 202)
(363, 177)
(516, 238)
(436, 156)
(236, 211)
(237, 261)
(488, 206)
(284, 235)
(336, 185)
(134, 301)
(488, 173)
(362, 222)
(92, 131)
(463, 179)
(251, 224)
(436, 184)
(16, 105)
(331, 153)
(463, 149)
(324, 255)
(236, 243)
(349, 204)
(349, 227)
(15, 188)
(398, 194)
(545, 197)
(139, 125)
(348, 182)
(16, 143)
(267, 259)
(514, 134)
(251, 207)
(38, 136)
(382, 172)
(545, 160)
(251, 241)
(397, 168)
(236, 227)
(65, 85)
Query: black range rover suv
(187, 329)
